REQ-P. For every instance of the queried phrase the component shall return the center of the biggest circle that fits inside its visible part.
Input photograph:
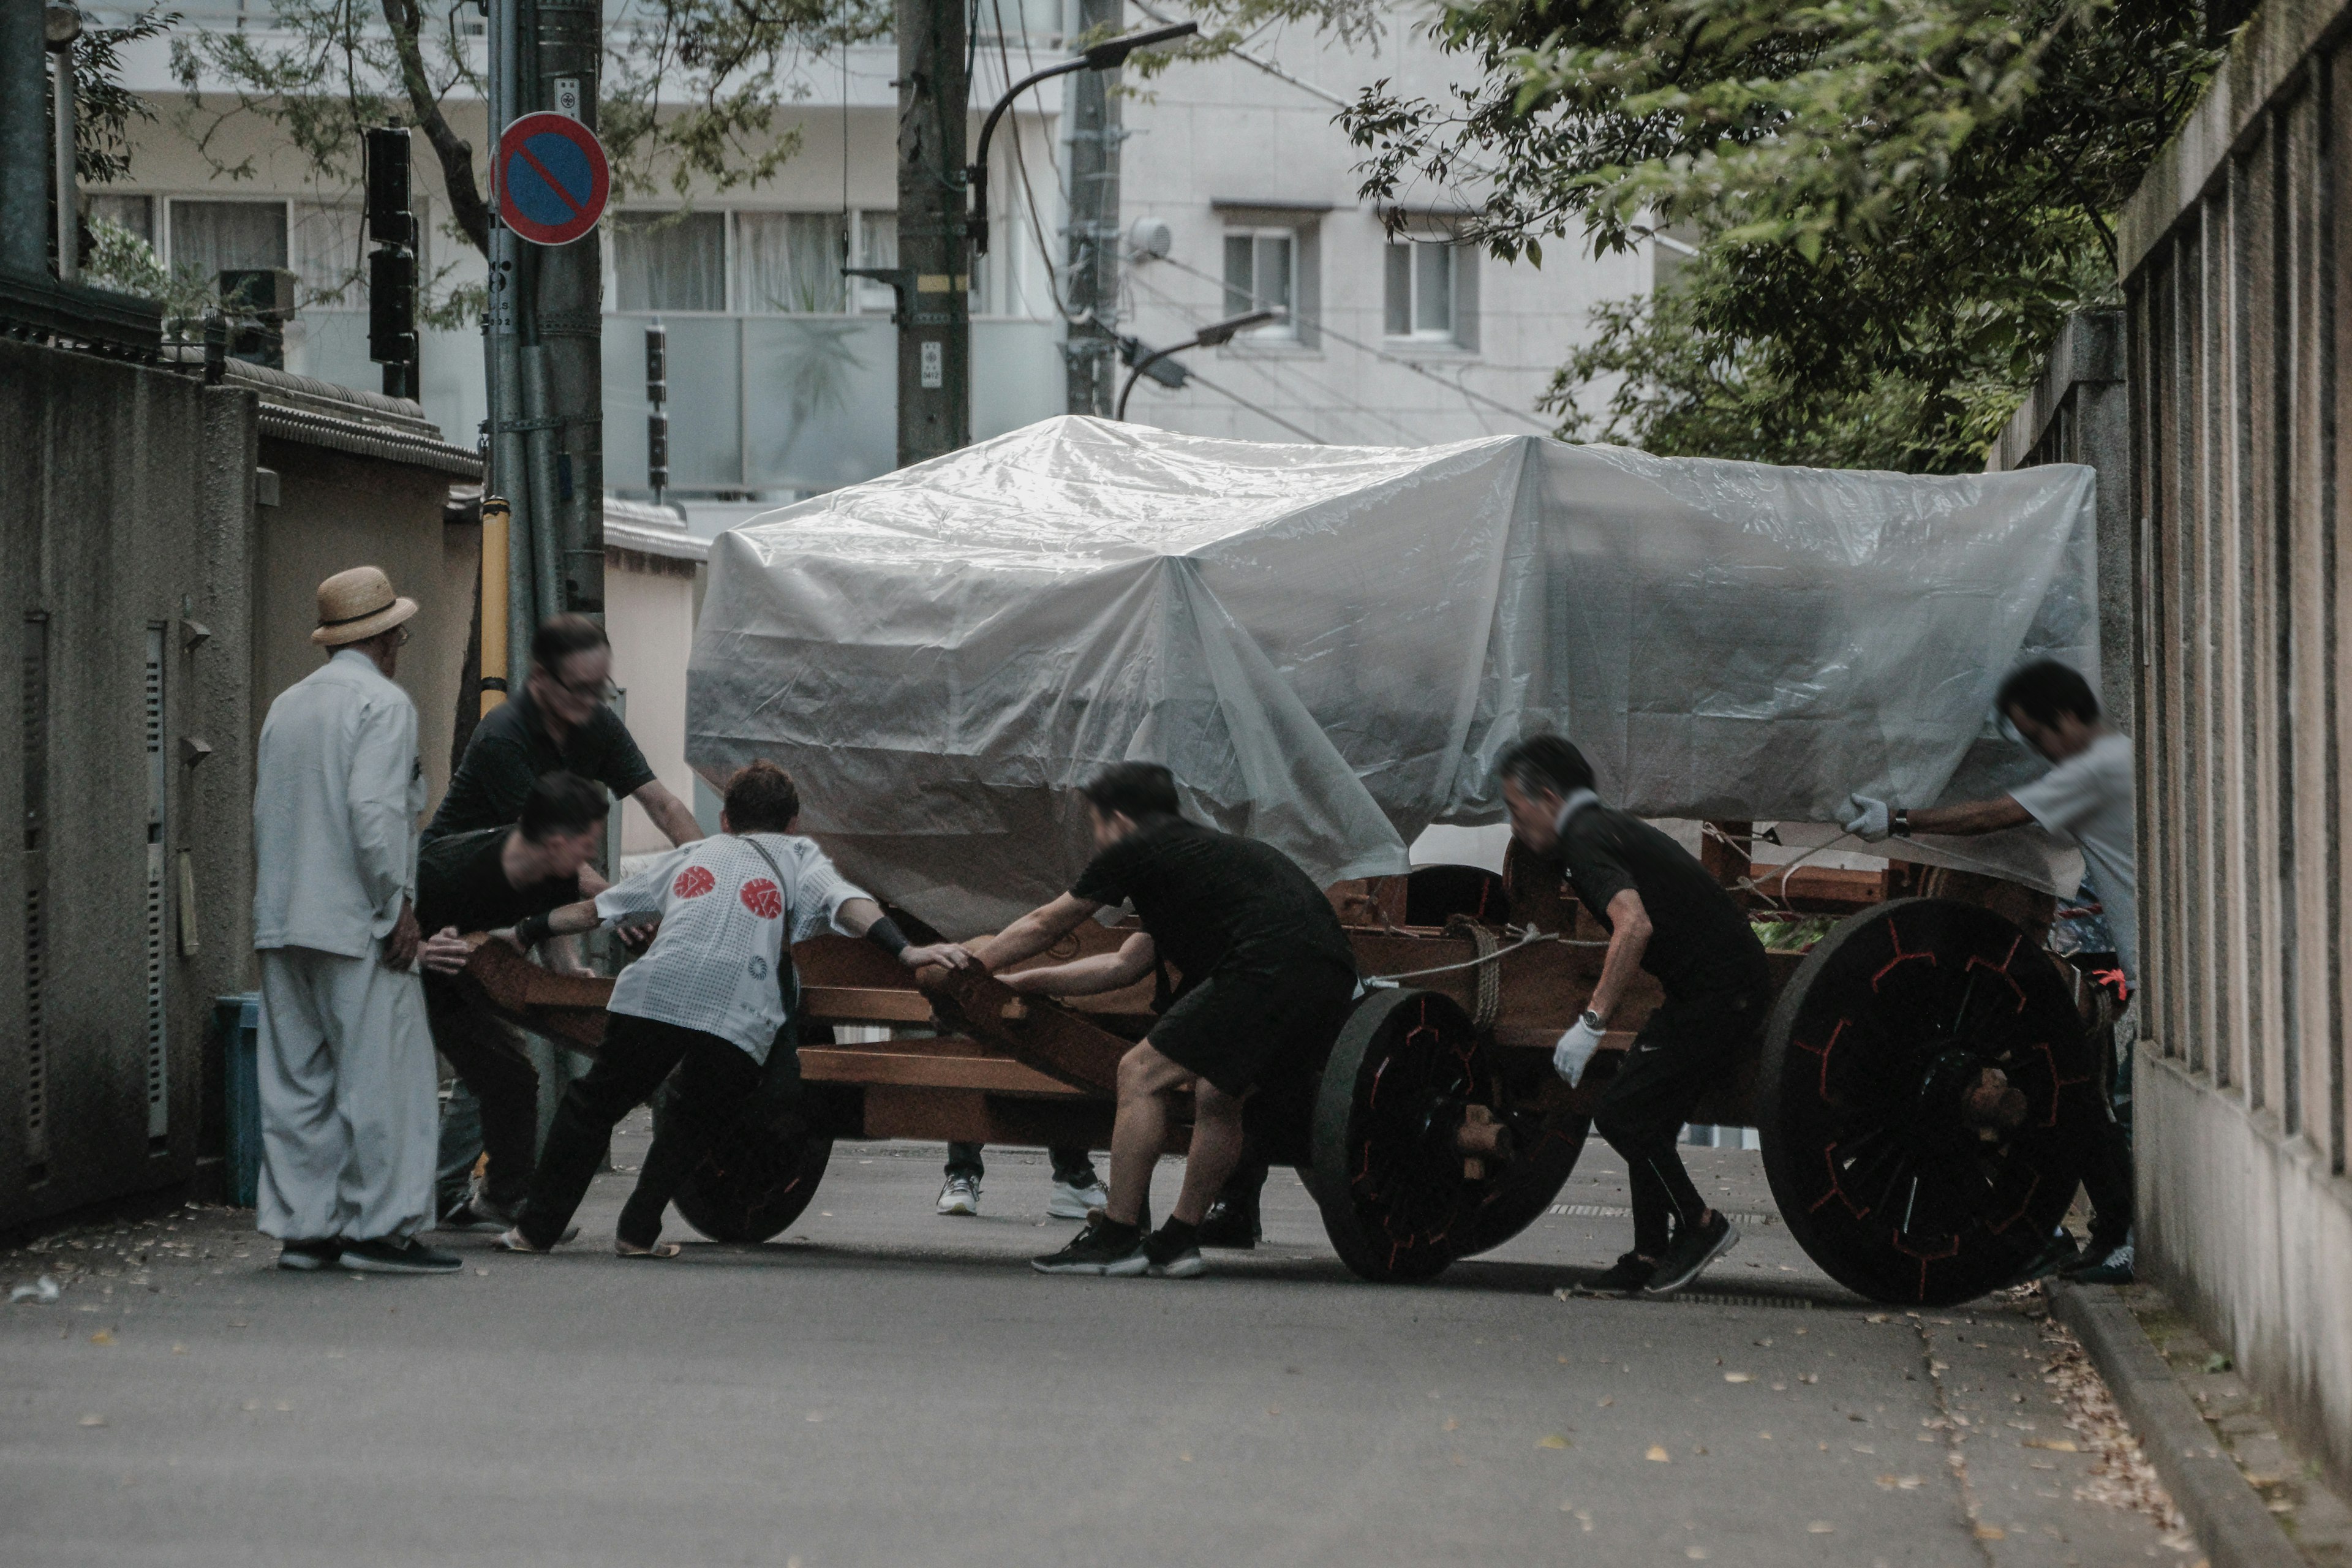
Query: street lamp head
(1111, 53)
(1219, 332)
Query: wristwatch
(1594, 1021)
(1901, 826)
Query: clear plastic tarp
(1331, 645)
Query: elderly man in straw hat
(346, 1057)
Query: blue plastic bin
(238, 1021)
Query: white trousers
(348, 1124)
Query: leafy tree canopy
(1884, 210)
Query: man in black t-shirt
(487, 881)
(559, 721)
(1666, 915)
(1268, 976)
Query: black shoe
(404, 1255)
(1169, 1256)
(471, 1215)
(2060, 1256)
(1691, 1253)
(1103, 1248)
(309, 1256)
(1626, 1277)
(1232, 1225)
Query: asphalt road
(884, 1387)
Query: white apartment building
(782, 373)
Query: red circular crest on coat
(693, 882)
(760, 895)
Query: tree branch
(455, 154)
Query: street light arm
(1146, 363)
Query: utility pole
(934, 280)
(1090, 116)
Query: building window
(136, 214)
(789, 263)
(877, 246)
(329, 257)
(1428, 293)
(671, 261)
(210, 238)
(1261, 274)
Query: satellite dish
(1152, 239)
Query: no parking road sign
(553, 178)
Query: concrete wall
(649, 602)
(2234, 253)
(125, 499)
(335, 510)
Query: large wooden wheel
(1926, 1097)
(1399, 1200)
(763, 1163)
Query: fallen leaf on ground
(1608, 1399)
(2055, 1445)
(1820, 1527)
(1737, 1377)
(1552, 1441)
(1451, 1424)
(1907, 1483)
(1658, 1454)
(93, 1420)
(1186, 1458)
(1991, 1532)
(103, 1337)
(1875, 1318)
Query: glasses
(596, 691)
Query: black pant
(489, 1058)
(1075, 1166)
(1689, 1045)
(716, 1079)
(2107, 1174)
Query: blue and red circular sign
(553, 178)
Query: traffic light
(392, 265)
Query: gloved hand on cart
(1874, 819)
(1574, 1052)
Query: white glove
(1872, 820)
(1574, 1052)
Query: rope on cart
(1526, 939)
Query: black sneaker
(1101, 1248)
(1691, 1253)
(309, 1256)
(2058, 1255)
(1626, 1277)
(1232, 1225)
(1167, 1259)
(404, 1255)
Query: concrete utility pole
(934, 279)
(24, 141)
(543, 336)
(1091, 117)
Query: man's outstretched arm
(1091, 976)
(1033, 933)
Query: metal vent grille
(158, 1076)
(35, 733)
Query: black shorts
(1241, 1026)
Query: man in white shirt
(346, 1057)
(707, 999)
(2087, 799)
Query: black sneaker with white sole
(1232, 1225)
(1692, 1251)
(1624, 1278)
(1105, 1246)
(398, 1255)
(309, 1256)
(1168, 1259)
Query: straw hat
(357, 604)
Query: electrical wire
(1268, 67)
(1233, 396)
(1358, 343)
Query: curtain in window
(788, 263)
(329, 258)
(680, 265)
(1433, 305)
(1398, 291)
(136, 214)
(878, 246)
(209, 237)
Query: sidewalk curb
(2231, 1522)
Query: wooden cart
(1925, 1089)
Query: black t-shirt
(461, 882)
(511, 748)
(1700, 942)
(1209, 900)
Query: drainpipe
(63, 25)
(24, 141)
(496, 525)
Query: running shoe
(1625, 1278)
(1166, 1260)
(2115, 1269)
(402, 1255)
(1072, 1200)
(1690, 1254)
(1101, 1247)
(960, 1196)
(307, 1256)
(1236, 1225)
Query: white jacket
(337, 793)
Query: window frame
(1460, 333)
(1286, 329)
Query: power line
(1421, 369)
(1262, 413)
(1268, 67)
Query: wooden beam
(881, 1065)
